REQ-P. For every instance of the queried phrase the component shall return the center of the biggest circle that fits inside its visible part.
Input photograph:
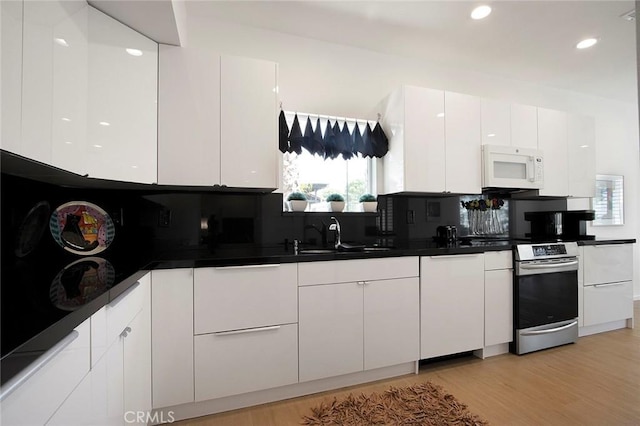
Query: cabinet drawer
(234, 298)
(249, 360)
(608, 263)
(498, 260)
(40, 395)
(340, 271)
(608, 302)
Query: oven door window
(546, 298)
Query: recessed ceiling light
(104, 123)
(587, 42)
(134, 52)
(67, 142)
(584, 146)
(97, 146)
(481, 12)
(440, 114)
(62, 42)
(491, 135)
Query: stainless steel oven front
(545, 296)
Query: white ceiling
(525, 40)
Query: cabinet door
(70, 92)
(608, 263)
(552, 140)
(11, 75)
(424, 148)
(463, 143)
(248, 123)
(241, 361)
(233, 298)
(137, 358)
(496, 122)
(608, 302)
(391, 322)
(498, 306)
(581, 135)
(452, 304)
(36, 400)
(524, 126)
(331, 330)
(98, 399)
(188, 116)
(122, 113)
(172, 336)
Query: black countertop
(39, 307)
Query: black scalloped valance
(337, 140)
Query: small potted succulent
(297, 202)
(369, 203)
(336, 202)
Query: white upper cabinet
(122, 113)
(463, 143)
(11, 75)
(73, 96)
(552, 140)
(524, 126)
(581, 142)
(54, 75)
(504, 123)
(413, 118)
(420, 158)
(218, 119)
(248, 123)
(496, 122)
(188, 117)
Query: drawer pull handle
(246, 330)
(125, 332)
(124, 295)
(267, 265)
(455, 256)
(35, 366)
(609, 284)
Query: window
(317, 177)
(609, 200)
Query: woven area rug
(421, 404)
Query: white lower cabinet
(498, 298)
(246, 331)
(607, 291)
(235, 362)
(331, 330)
(172, 336)
(35, 400)
(120, 380)
(347, 327)
(608, 302)
(451, 304)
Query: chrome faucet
(336, 227)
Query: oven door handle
(548, 265)
(551, 330)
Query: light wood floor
(593, 382)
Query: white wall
(331, 79)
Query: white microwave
(512, 167)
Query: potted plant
(297, 202)
(369, 203)
(336, 202)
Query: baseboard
(489, 351)
(602, 328)
(204, 408)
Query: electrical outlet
(411, 217)
(164, 218)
